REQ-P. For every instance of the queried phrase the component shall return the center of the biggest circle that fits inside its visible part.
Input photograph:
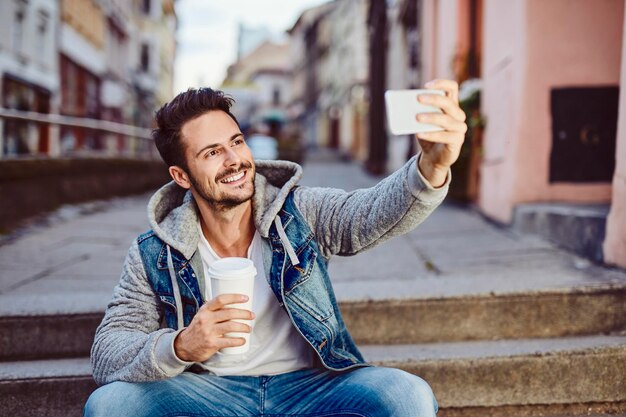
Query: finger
(449, 86)
(451, 138)
(225, 342)
(222, 300)
(227, 314)
(443, 120)
(232, 326)
(444, 103)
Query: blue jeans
(367, 392)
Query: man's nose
(232, 158)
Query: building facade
(343, 95)
(99, 60)
(260, 83)
(83, 64)
(115, 90)
(402, 71)
(309, 39)
(552, 103)
(249, 38)
(29, 73)
(346, 53)
(540, 82)
(153, 49)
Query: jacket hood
(173, 213)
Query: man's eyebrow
(215, 145)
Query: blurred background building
(95, 60)
(81, 80)
(539, 81)
(260, 82)
(542, 152)
(29, 68)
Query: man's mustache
(229, 172)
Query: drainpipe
(377, 24)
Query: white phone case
(402, 107)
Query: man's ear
(180, 176)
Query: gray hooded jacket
(131, 344)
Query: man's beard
(227, 202)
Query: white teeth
(233, 178)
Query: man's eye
(211, 153)
(238, 141)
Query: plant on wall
(465, 171)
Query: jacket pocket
(305, 286)
(168, 306)
(299, 274)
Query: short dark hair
(173, 115)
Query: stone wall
(34, 186)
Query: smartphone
(402, 107)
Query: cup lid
(232, 268)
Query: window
(42, 22)
(92, 102)
(69, 80)
(43, 19)
(146, 7)
(144, 60)
(276, 96)
(17, 34)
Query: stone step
(51, 388)
(529, 377)
(541, 314)
(47, 336)
(549, 313)
(542, 377)
(580, 228)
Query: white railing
(137, 141)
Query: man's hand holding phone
(440, 128)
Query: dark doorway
(584, 130)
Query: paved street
(72, 263)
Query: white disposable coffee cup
(234, 276)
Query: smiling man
(156, 352)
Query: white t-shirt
(276, 346)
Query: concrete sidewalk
(71, 264)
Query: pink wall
(439, 22)
(615, 243)
(447, 27)
(504, 60)
(429, 39)
(531, 46)
(462, 35)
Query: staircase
(536, 354)
(44, 364)
(548, 353)
(499, 324)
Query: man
(157, 349)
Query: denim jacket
(160, 288)
(303, 289)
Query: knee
(113, 399)
(407, 394)
(422, 395)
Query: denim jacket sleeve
(346, 223)
(125, 343)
